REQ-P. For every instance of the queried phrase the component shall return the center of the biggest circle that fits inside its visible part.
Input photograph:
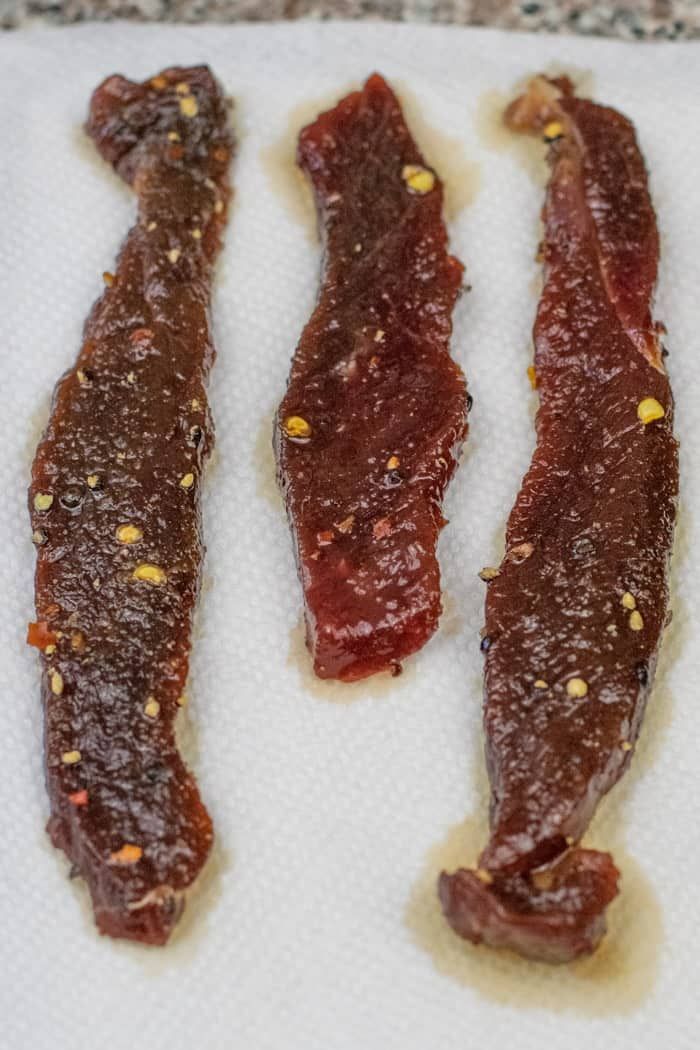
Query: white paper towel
(316, 927)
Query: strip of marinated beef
(575, 613)
(115, 509)
(369, 431)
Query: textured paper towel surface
(316, 927)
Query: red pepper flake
(176, 152)
(128, 854)
(140, 334)
(79, 798)
(324, 538)
(221, 154)
(39, 635)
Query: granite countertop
(627, 19)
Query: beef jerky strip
(114, 503)
(368, 433)
(575, 613)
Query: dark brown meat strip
(575, 615)
(114, 504)
(368, 434)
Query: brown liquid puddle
(528, 150)
(615, 979)
(444, 153)
(621, 973)
(278, 160)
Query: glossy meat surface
(575, 613)
(114, 503)
(368, 434)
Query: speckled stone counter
(627, 19)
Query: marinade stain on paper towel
(528, 150)
(621, 973)
(443, 152)
(266, 486)
(615, 979)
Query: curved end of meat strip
(554, 915)
(368, 434)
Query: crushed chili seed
(541, 684)
(71, 758)
(649, 409)
(484, 876)
(108, 278)
(296, 427)
(78, 798)
(174, 255)
(129, 534)
(188, 106)
(577, 688)
(56, 682)
(346, 525)
(629, 601)
(417, 178)
(197, 233)
(187, 481)
(532, 376)
(489, 573)
(219, 207)
(393, 462)
(520, 553)
(150, 573)
(553, 131)
(151, 708)
(93, 481)
(379, 335)
(173, 136)
(43, 501)
(39, 537)
(636, 621)
(626, 746)
(159, 83)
